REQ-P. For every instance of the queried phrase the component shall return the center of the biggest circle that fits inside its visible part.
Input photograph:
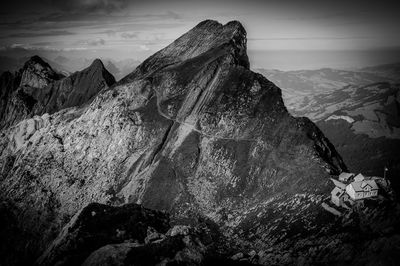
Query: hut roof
(361, 185)
(338, 183)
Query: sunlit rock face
(192, 131)
(37, 73)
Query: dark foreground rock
(132, 235)
(126, 235)
(98, 225)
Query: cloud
(40, 34)
(95, 42)
(173, 15)
(310, 38)
(68, 49)
(30, 47)
(106, 23)
(50, 43)
(96, 6)
(129, 35)
(109, 33)
(144, 47)
(165, 15)
(139, 26)
(18, 46)
(19, 22)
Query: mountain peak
(235, 24)
(209, 35)
(211, 25)
(97, 63)
(37, 60)
(38, 73)
(98, 67)
(208, 22)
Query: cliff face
(74, 90)
(192, 131)
(37, 89)
(37, 73)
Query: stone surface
(36, 73)
(98, 225)
(106, 235)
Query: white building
(362, 189)
(339, 196)
(359, 178)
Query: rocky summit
(37, 89)
(201, 142)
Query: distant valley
(358, 111)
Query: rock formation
(192, 131)
(36, 73)
(37, 89)
(98, 225)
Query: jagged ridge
(37, 89)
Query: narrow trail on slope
(191, 126)
(139, 171)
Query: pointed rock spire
(208, 35)
(97, 66)
(37, 73)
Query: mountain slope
(191, 131)
(358, 111)
(366, 131)
(390, 71)
(316, 93)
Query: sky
(285, 34)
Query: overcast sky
(120, 29)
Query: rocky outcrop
(36, 73)
(41, 90)
(130, 235)
(192, 131)
(99, 225)
(362, 236)
(76, 89)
